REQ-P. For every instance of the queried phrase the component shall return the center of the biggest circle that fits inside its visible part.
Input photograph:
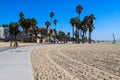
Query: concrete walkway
(15, 64)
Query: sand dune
(77, 62)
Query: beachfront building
(44, 34)
(4, 32)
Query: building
(4, 32)
(43, 32)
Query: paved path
(5, 48)
(15, 64)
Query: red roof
(43, 28)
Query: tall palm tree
(47, 23)
(55, 22)
(79, 9)
(51, 15)
(85, 24)
(78, 27)
(72, 22)
(13, 30)
(21, 15)
(25, 23)
(34, 27)
(5, 25)
(91, 26)
(22, 19)
(84, 30)
(22, 23)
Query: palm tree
(5, 25)
(72, 22)
(78, 27)
(84, 30)
(21, 15)
(51, 15)
(79, 9)
(22, 23)
(25, 23)
(47, 23)
(34, 27)
(13, 30)
(85, 24)
(21, 20)
(91, 26)
(68, 36)
(55, 22)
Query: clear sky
(107, 13)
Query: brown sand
(77, 62)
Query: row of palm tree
(27, 23)
(13, 30)
(48, 24)
(82, 26)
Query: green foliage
(72, 21)
(13, 28)
(84, 26)
(47, 23)
(55, 21)
(5, 25)
(51, 14)
(21, 15)
(79, 9)
(61, 36)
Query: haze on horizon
(107, 13)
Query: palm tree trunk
(16, 44)
(11, 40)
(77, 36)
(79, 16)
(83, 37)
(51, 23)
(27, 35)
(54, 34)
(73, 33)
(89, 37)
(80, 35)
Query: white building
(4, 32)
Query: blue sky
(107, 13)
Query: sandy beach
(77, 62)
